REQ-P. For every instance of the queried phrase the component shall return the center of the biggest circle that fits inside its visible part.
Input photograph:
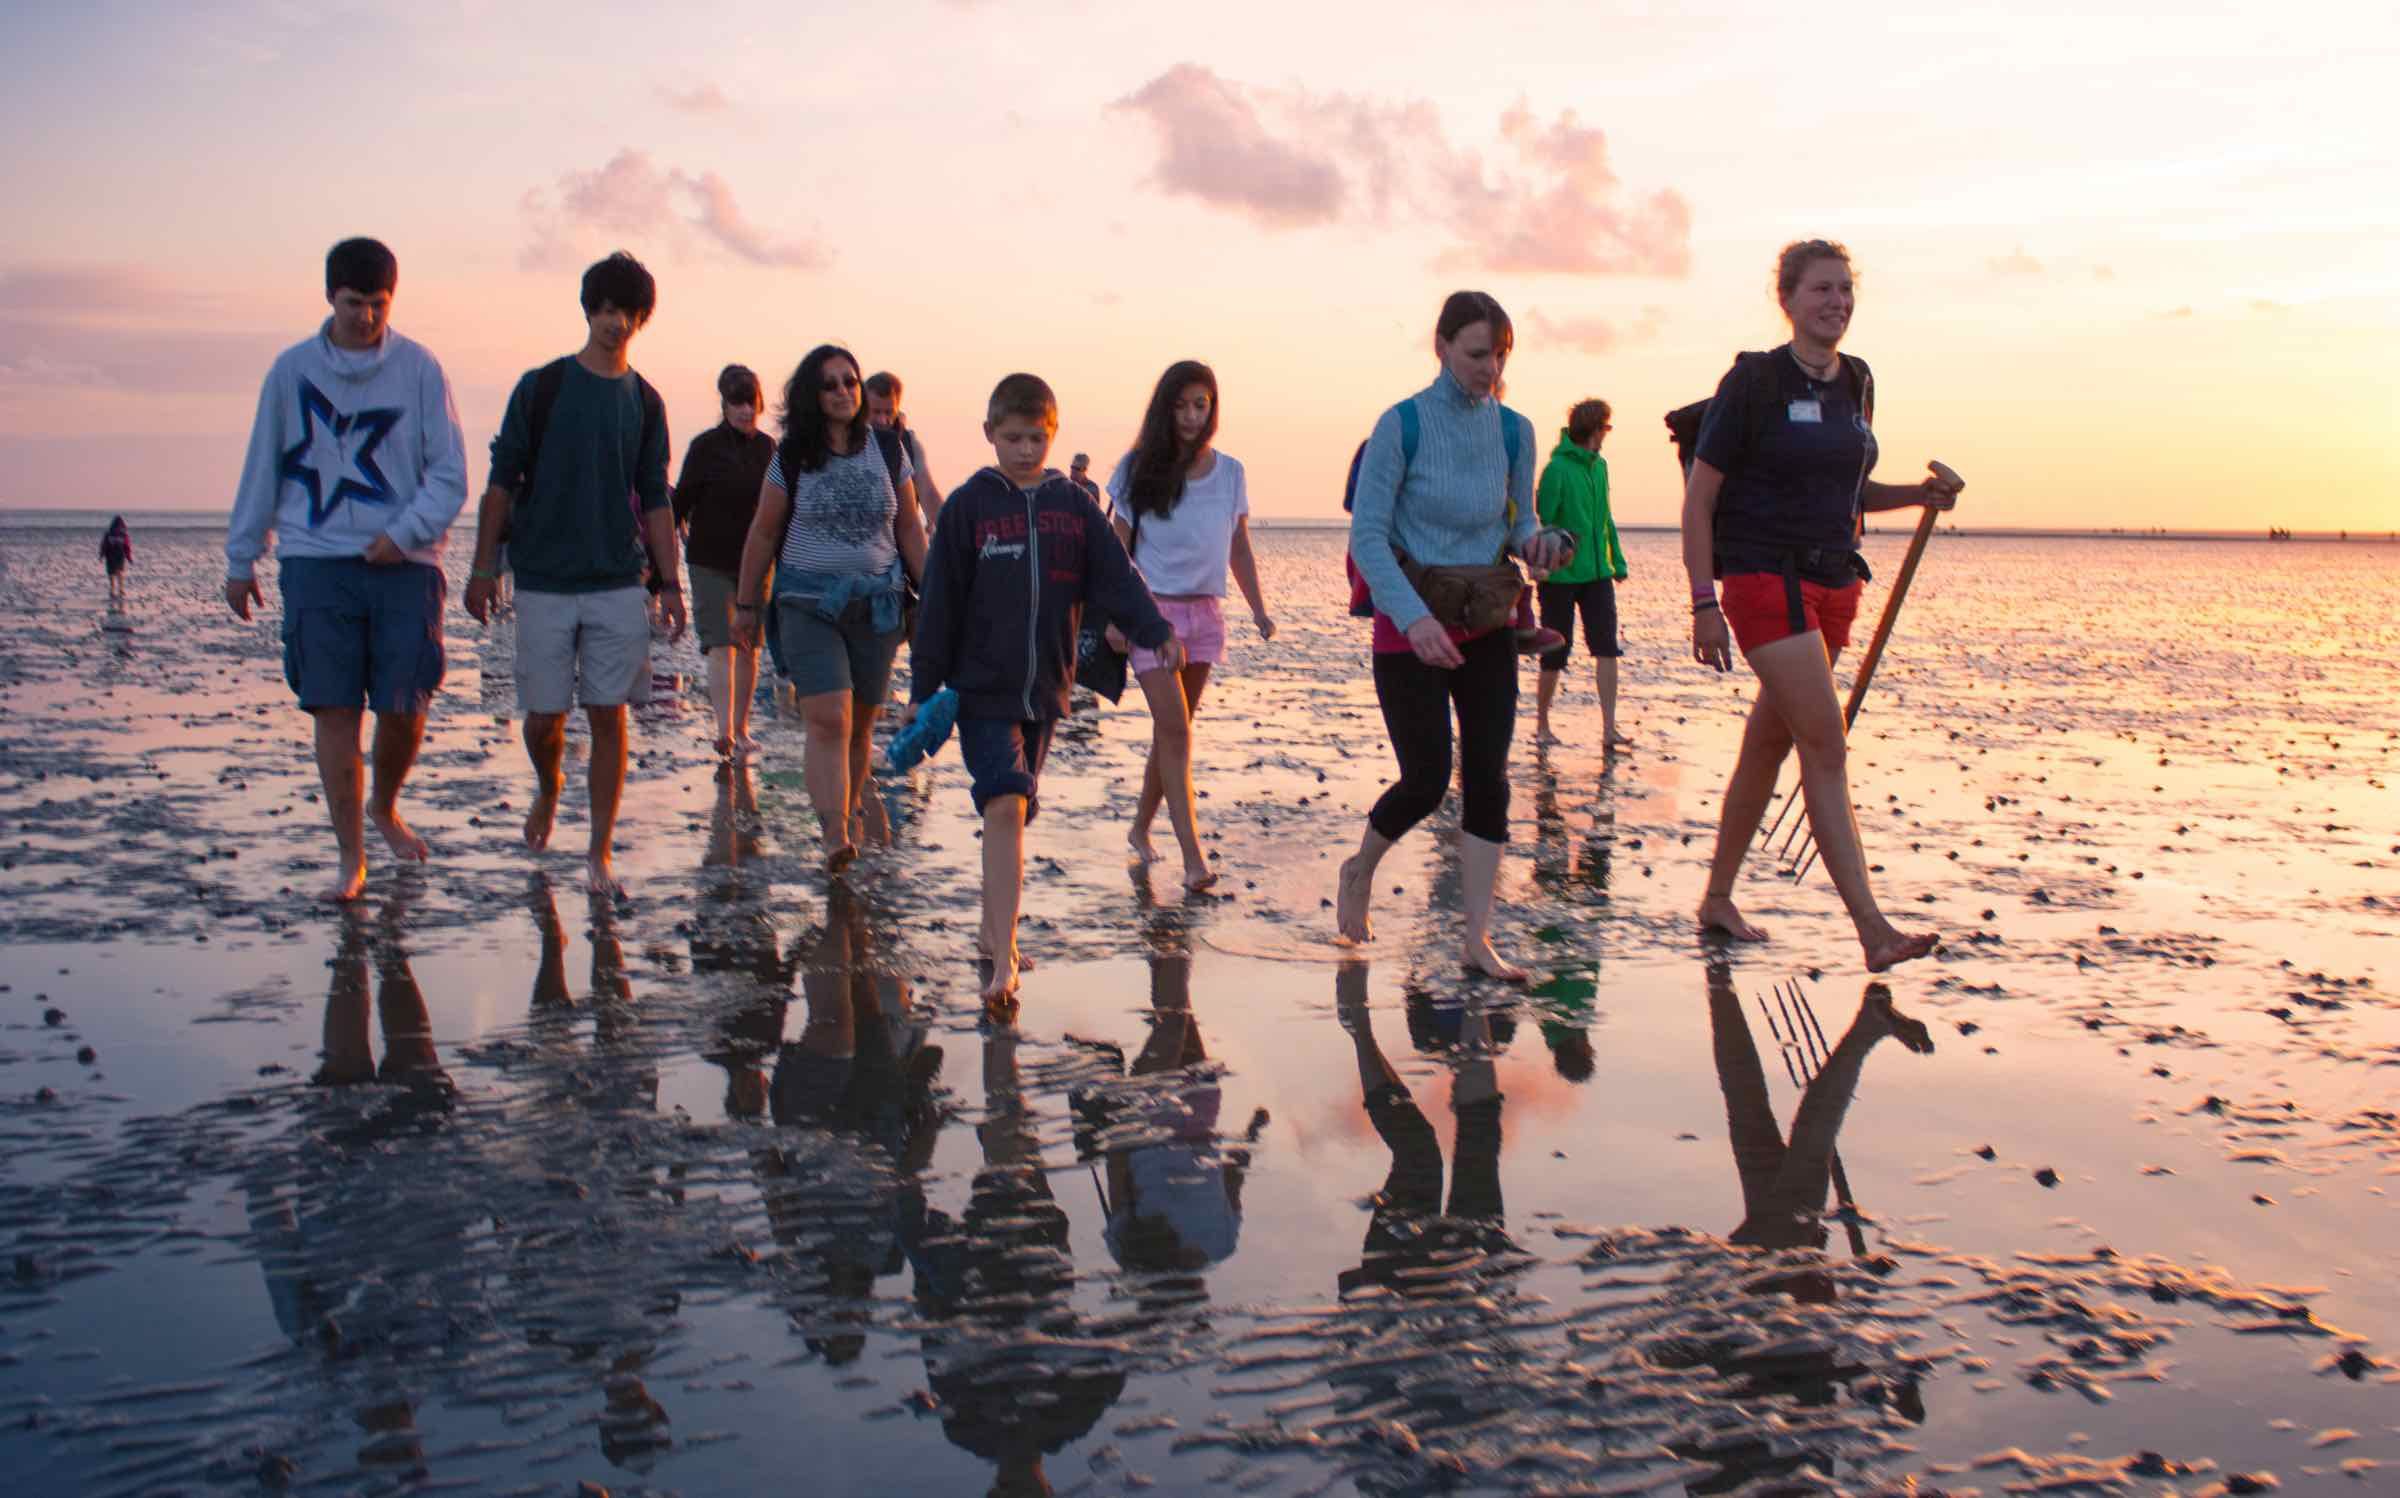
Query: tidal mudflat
(725, 1188)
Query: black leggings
(1416, 701)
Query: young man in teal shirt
(579, 493)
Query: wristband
(479, 575)
(1703, 605)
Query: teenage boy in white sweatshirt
(357, 463)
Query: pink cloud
(1214, 147)
(1544, 201)
(630, 198)
(1595, 335)
(703, 98)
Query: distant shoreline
(40, 515)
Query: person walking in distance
(1573, 497)
(716, 497)
(358, 465)
(579, 491)
(116, 549)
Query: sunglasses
(839, 382)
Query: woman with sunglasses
(838, 522)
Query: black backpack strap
(547, 381)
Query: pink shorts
(1199, 624)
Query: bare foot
(1137, 843)
(1000, 983)
(1543, 735)
(1911, 1032)
(405, 844)
(744, 746)
(1717, 913)
(537, 821)
(873, 824)
(350, 882)
(1480, 958)
(1616, 740)
(838, 859)
(724, 748)
(1350, 907)
(1896, 949)
(600, 879)
(1198, 877)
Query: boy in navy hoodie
(1017, 552)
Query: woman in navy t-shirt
(1773, 507)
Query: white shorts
(588, 647)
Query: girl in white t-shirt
(1183, 511)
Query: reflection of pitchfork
(1802, 1041)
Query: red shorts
(1760, 611)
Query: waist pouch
(1476, 599)
(1826, 566)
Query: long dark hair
(805, 445)
(116, 525)
(1154, 479)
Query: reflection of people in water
(1410, 1234)
(362, 1260)
(1017, 1375)
(349, 1056)
(861, 1074)
(1785, 1182)
(1173, 1197)
(734, 953)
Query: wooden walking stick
(1806, 835)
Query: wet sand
(726, 1186)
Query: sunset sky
(2118, 270)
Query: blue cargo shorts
(359, 634)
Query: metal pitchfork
(1801, 833)
(1802, 1041)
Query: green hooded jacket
(1574, 496)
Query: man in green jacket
(1574, 496)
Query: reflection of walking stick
(1805, 835)
(1805, 1049)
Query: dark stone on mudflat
(2354, 1364)
(54, 1017)
(2251, 1482)
(2046, 1176)
(1986, 1152)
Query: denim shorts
(821, 655)
(358, 634)
(1004, 758)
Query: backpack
(1362, 605)
(1684, 422)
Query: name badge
(1808, 411)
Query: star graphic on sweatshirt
(334, 460)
